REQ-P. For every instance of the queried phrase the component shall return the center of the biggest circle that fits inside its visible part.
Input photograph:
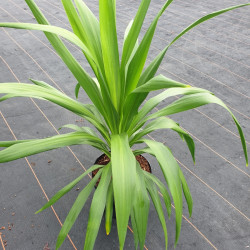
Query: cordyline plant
(121, 121)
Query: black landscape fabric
(215, 56)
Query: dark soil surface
(215, 56)
(104, 160)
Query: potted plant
(121, 120)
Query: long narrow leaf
(51, 29)
(6, 144)
(79, 73)
(36, 146)
(186, 192)
(170, 169)
(67, 188)
(163, 190)
(134, 31)
(76, 209)
(97, 208)
(196, 100)
(154, 101)
(109, 208)
(83, 30)
(205, 18)
(135, 231)
(28, 90)
(110, 49)
(165, 123)
(159, 82)
(123, 173)
(158, 207)
(141, 206)
(151, 70)
(91, 28)
(135, 99)
(139, 59)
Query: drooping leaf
(36, 146)
(163, 190)
(196, 100)
(158, 207)
(97, 208)
(135, 231)
(6, 144)
(186, 192)
(109, 208)
(141, 206)
(76, 209)
(51, 29)
(159, 82)
(55, 96)
(77, 88)
(123, 174)
(165, 123)
(170, 169)
(135, 99)
(67, 188)
(141, 118)
(80, 129)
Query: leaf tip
(37, 212)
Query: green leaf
(165, 123)
(141, 206)
(137, 63)
(51, 29)
(163, 191)
(196, 100)
(141, 118)
(44, 84)
(76, 209)
(135, 231)
(186, 192)
(36, 146)
(135, 99)
(132, 35)
(55, 96)
(159, 82)
(79, 73)
(110, 49)
(67, 188)
(91, 32)
(170, 169)
(158, 207)
(6, 144)
(83, 27)
(151, 70)
(77, 88)
(97, 208)
(205, 18)
(109, 208)
(123, 173)
(81, 129)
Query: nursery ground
(215, 56)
